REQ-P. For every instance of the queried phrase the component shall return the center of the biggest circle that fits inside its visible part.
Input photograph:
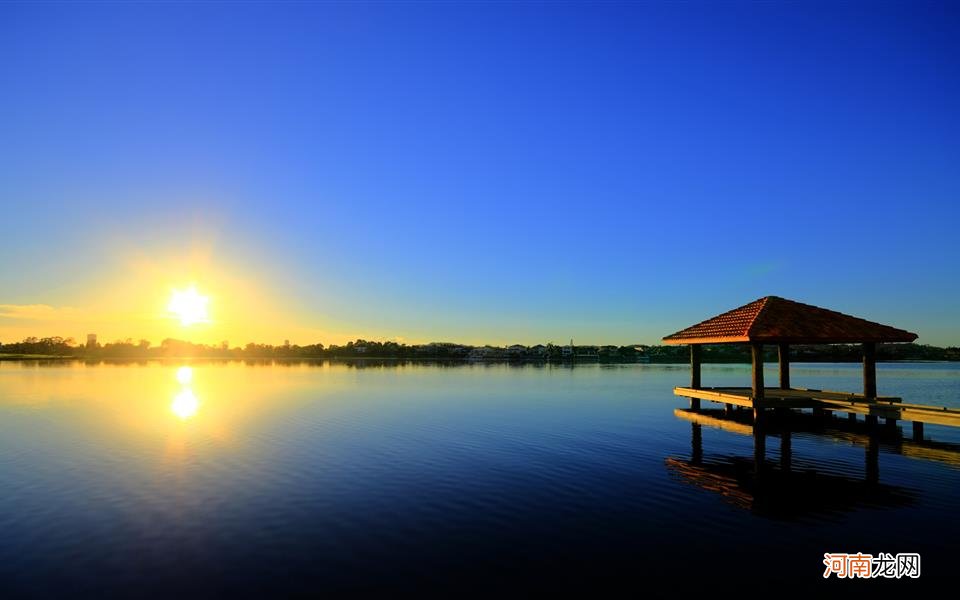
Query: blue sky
(477, 172)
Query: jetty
(781, 322)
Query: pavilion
(781, 322)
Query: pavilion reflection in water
(775, 488)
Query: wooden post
(783, 356)
(852, 417)
(695, 374)
(756, 351)
(870, 370)
(918, 431)
(695, 366)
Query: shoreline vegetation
(66, 348)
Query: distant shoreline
(428, 359)
(360, 349)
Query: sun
(189, 306)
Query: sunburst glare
(189, 306)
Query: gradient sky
(483, 173)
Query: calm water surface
(225, 477)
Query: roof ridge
(763, 306)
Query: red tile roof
(777, 320)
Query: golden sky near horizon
(147, 298)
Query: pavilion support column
(918, 431)
(783, 356)
(756, 352)
(870, 370)
(695, 374)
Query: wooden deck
(887, 407)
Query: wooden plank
(715, 396)
(791, 399)
(806, 393)
(931, 415)
(846, 395)
(859, 405)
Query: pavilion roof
(777, 320)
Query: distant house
(516, 350)
(484, 353)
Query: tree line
(723, 353)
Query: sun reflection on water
(185, 375)
(185, 403)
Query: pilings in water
(783, 358)
(756, 355)
(695, 374)
(696, 442)
(918, 431)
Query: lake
(162, 478)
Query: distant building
(477, 354)
(91, 340)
